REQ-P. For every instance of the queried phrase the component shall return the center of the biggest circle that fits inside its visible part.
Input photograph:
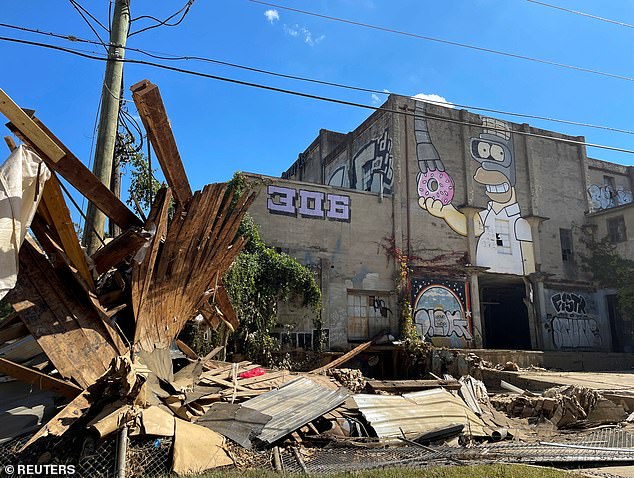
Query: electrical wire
(445, 42)
(173, 57)
(576, 12)
(310, 95)
(160, 23)
(79, 5)
(79, 9)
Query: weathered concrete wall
(600, 222)
(575, 320)
(609, 185)
(339, 232)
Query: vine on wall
(257, 281)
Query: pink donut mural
(436, 184)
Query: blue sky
(221, 128)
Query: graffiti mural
(505, 242)
(605, 197)
(308, 204)
(442, 311)
(372, 166)
(573, 321)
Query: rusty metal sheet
(417, 413)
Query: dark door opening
(504, 312)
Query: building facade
(491, 216)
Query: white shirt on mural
(499, 245)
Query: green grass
(472, 471)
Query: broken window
(616, 229)
(565, 238)
(502, 236)
(368, 314)
(610, 184)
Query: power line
(160, 23)
(446, 42)
(173, 57)
(576, 12)
(79, 9)
(95, 56)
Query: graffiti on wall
(606, 197)
(442, 310)
(308, 204)
(572, 321)
(505, 242)
(372, 167)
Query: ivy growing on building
(257, 281)
(610, 270)
(416, 347)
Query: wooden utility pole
(109, 119)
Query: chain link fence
(145, 457)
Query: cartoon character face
(494, 152)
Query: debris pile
(91, 349)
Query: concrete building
(490, 214)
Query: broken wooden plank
(121, 247)
(345, 357)
(43, 381)
(63, 420)
(225, 306)
(24, 123)
(149, 104)
(186, 349)
(82, 179)
(10, 143)
(53, 202)
(402, 386)
(63, 322)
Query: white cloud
(303, 32)
(272, 15)
(375, 99)
(434, 98)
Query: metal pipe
(122, 451)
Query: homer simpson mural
(505, 243)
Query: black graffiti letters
(569, 303)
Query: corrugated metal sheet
(293, 405)
(417, 413)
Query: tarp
(22, 175)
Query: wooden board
(24, 123)
(55, 206)
(172, 283)
(82, 179)
(63, 420)
(43, 381)
(68, 329)
(345, 357)
(149, 104)
(121, 247)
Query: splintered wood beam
(10, 143)
(149, 104)
(35, 377)
(24, 123)
(345, 357)
(63, 420)
(82, 179)
(53, 202)
(118, 249)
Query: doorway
(504, 313)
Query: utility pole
(109, 119)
